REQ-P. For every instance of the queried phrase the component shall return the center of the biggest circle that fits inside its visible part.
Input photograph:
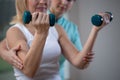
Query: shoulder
(14, 32)
(16, 28)
(59, 29)
(14, 36)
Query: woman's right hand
(40, 21)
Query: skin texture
(10, 55)
(59, 7)
(39, 27)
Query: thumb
(17, 48)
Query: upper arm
(68, 49)
(3, 48)
(14, 38)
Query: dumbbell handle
(97, 20)
(27, 17)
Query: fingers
(106, 18)
(40, 18)
(45, 19)
(14, 58)
(40, 21)
(88, 58)
(17, 48)
(34, 16)
(17, 62)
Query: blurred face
(37, 5)
(61, 6)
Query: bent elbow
(29, 70)
(28, 73)
(81, 65)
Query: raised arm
(68, 49)
(30, 55)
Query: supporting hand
(87, 59)
(12, 57)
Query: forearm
(90, 42)
(3, 54)
(86, 49)
(0, 49)
(3, 50)
(34, 55)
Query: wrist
(40, 36)
(37, 32)
(95, 29)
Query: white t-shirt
(49, 67)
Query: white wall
(106, 62)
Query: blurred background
(105, 65)
(7, 8)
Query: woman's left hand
(106, 20)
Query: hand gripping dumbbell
(97, 20)
(27, 17)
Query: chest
(52, 50)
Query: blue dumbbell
(97, 20)
(27, 17)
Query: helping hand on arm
(10, 56)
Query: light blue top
(73, 34)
